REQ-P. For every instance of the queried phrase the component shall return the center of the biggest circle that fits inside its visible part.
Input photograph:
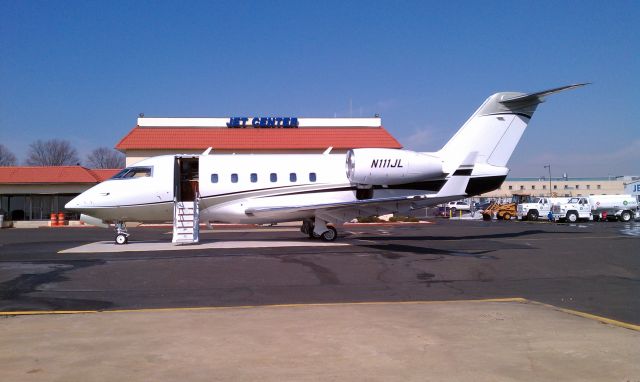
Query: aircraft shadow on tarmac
(391, 251)
(506, 235)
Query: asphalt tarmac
(587, 267)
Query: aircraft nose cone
(75, 203)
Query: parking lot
(550, 286)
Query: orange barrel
(54, 220)
(61, 218)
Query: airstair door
(186, 212)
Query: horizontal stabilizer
(538, 96)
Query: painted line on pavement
(521, 300)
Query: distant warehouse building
(252, 135)
(560, 187)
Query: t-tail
(495, 129)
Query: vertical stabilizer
(495, 129)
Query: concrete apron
(470, 341)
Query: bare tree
(54, 152)
(104, 157)
(6, 157)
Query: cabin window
(293, 177)
(214, 178)
(134, 172)
(312, 177)
(254, 177)
(273, 177)
(234, 178)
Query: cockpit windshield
(134, 172)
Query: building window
(577, 186)
(214, 178)
(293, 177)
(566, 187)
(511, 187)
(598, 187)
(234, 178)
(544, 187)
(555, 186)
(254, 177)
(522, 187)
(588, 186)
(533, 187)
(312, 177)
(273, 177)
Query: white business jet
(320, 190)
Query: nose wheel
(122, 236)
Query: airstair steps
(186, 227)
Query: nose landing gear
(122, 236)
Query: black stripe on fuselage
(527, 116)
(483, 184)
(463, 172)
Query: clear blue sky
(83, 70)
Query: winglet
(538, 97)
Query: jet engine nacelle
(391, 166)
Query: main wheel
(572, 217)
(486, 217)
(532, 215)
(121, 239)
(330, 235)
(625, 216)
(506, 216)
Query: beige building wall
(559, 187)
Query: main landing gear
(122, 236)
(319, 229)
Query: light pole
(549, 167)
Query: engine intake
(391, 166)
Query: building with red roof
(159, 136)
(33, 193)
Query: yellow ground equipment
(504, 211)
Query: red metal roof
(256, 139)
(54, 174)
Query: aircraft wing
(453, 189)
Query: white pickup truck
(622, 207)
(537, 208)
